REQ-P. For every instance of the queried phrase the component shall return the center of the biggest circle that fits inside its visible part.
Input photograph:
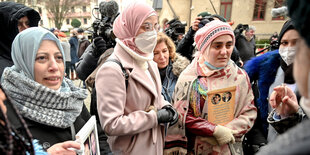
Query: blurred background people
(83, 42)
(74, 44)
(133, 113)
(211, 70)
(245, 43)
(14, 18)
(66, 46)
(170, 64)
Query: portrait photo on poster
(88, 137)
(226, 96)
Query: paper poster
(89, 138)
(220, 106)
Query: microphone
(281, 11)
(108, 9)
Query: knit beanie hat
(205, 35)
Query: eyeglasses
(149, 27)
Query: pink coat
(123, 116)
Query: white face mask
(80, 36)
(287, 54)
(146, 42)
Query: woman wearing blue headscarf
(50, 104)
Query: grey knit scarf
(42, 104)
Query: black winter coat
(48, 135)
(10, 13)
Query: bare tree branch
(59, 9)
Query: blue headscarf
(25, 47)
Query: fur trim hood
(179, 64)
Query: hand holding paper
(67, 147)
(223, 135)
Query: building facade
(252, 12)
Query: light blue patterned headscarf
(25, 47)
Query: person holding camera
(245, 43)
(131, 109)
(186, 45)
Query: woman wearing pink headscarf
(131, 113)
(205, 126)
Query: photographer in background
(245, 43)
(186, 45)
(175, 30)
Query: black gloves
(167, 115)
(99, 46)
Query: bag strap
(125, 74)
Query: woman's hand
(64, 148)
(285, 95)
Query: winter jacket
(87, 63)
(246, 48)
(123, 111)
(74, 44)
(83, 44)
(185, 46)
(294, 141)
(264, 69)
(66, 46)
(173, 71)
(244, 114)
(10, 13)
(48, 135)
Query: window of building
(68, 21)
(85, 20)
(84, 8)
(259, 10)
(40, 10)
(278, 4)
(72, 9)
(41, 22)
(225, 11)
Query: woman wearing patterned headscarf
(132, 109)
(50, 104)
(210, 128)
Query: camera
(176, 28)
(104, 27)
(204, 21)
(245, 27)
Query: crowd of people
(204, 93)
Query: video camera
(104, 27)
(242, 27)
(175, 29)
(204, 21)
